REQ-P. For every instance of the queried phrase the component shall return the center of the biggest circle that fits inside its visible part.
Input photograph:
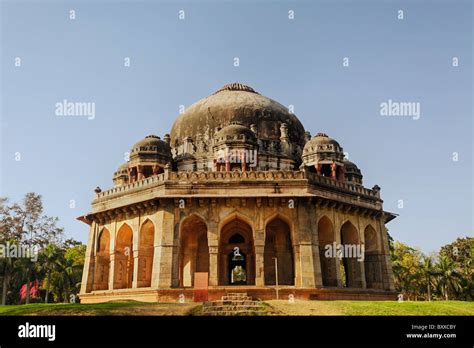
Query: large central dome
(236, 103)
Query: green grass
(281, 307)
(375, 308)
(406, 308)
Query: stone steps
(233, 304)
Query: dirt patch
(282, 307)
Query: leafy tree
(449, 280)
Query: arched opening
(124, 258)
(372, 265)
(329, 261)
(278, 245)
(145, 253)
(101, 279)
(194, 250)
(351, 265)
(236, 254)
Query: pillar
(164, 248)
(213, 244)
(259, 257)
(89, 261)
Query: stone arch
(146, 252)
(235, 216)
(327, 253)
(350, 243)
(372, 260)
(123, 277)
(101, 279)
(227, 271)
(278, 244)
(194, 249)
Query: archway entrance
(194, 250)
(101, 280)
(373, 271)
(146, 253)
(278, 245)
(124, 258)
(236, 254)
(351, 267)
(328, 264)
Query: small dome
(121, 175)
(123, 169)
(321, 143)
(352, 173)
(322, 149)
(235, 133)
(320, 139)
(151, 144)
(350, 166)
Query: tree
(428, 272)
(406, 264)
(449, 279)
(461, 253)
(25, 226)
(49, 263)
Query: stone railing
(323, 180)
(196, 177)
(137, 184)
(236, 175)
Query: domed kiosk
(236, 188)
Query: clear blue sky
(296, 62)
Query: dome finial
(236, 87)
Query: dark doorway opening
(237, 267)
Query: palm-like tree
(427, 270)
(49, 264)
(449, 280)
(68, 269)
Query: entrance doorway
(236, 254)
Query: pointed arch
(123, 269)
(278, 244)
(194, 249)
(145, 253)
(228, 266)
(329, 261)
(350, 265)
(102, 261)
(372, 265)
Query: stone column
(162, 274)
(259, 258)
(227, 165)
(213, 264)
(89, 262)
(387, 272)
(337, 238)
(112, 270)
(136, 268)
(243, 162)
(213, 242)
(305, 270)
(135, 225)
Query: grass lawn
(109, 308)
(275, 307)
(372, 307)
